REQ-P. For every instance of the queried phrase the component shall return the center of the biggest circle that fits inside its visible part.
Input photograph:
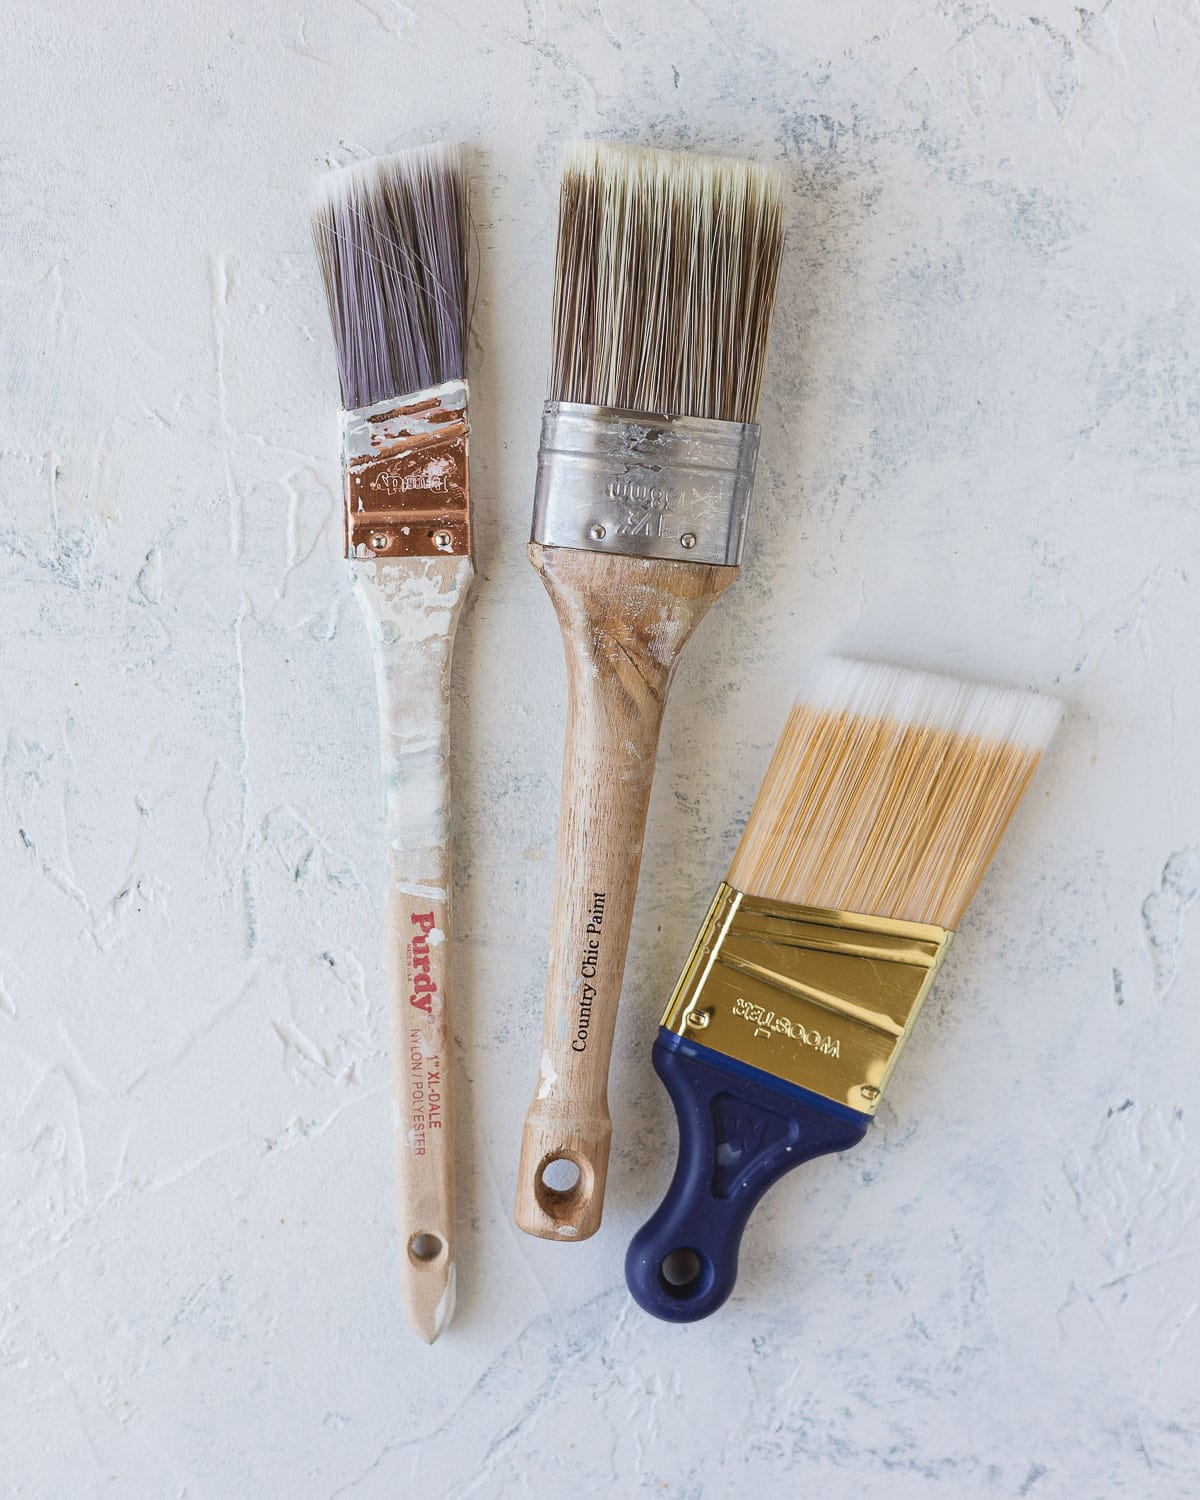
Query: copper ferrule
(822, 999)
(405, 464)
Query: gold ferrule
(822, 999)
(405, 464)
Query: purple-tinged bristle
(391, 236)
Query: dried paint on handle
(412, 606)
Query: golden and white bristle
(889, 791)
(665, 280)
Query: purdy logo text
(423, 986)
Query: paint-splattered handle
(412, 608)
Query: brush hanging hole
(680, 1270)
(424, 1248)
(560, 1175)
(562, 1187)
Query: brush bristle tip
(869, 689)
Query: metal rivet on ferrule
(380, 541)
(751, 950)
(699, 1019)
(442, 540)
(644, 486)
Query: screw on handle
(740, 1130)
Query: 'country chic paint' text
(588, 968)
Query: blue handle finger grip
(740, 1130)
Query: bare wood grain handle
(412, 608)
(624, 621)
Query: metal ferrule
(405, 464)
(822, 999)
(643, 486)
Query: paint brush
(391, 237)
(665, 280)
(881, 809)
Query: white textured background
(979, 454)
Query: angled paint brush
(884, 803)
(665, 280)
(391, 236)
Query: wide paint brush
(881, 809)
(391, 235)
(664, 285)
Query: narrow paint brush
(886, 799)
(391, 236)
(665, 280)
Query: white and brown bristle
(889, 791)
(391, 236)
(664, 283)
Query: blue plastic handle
(740, 1130)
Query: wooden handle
(624, 621)
(412, 607)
